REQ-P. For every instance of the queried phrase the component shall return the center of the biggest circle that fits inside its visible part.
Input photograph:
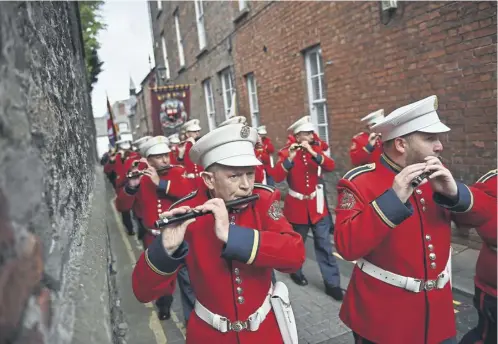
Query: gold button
(427, 237)
(432, 256)
(159, 205)
(424, 208)
(433, 265)
(431, 247)
(418, 191)
(240, 290)
(422, 201)
(238, 280)
(240, 299)
(236, 270)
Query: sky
(125, 48)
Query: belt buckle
(429, 285)
(237, 326)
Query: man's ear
(208, 178)
(400, 144)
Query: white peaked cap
(234, 120)
(374, 117)
(229, 145)
(302, 124)
(124, 144)
(141, 140)
(174, 138)
(262, 130)
(419, 116)
(192, 125)
(154, 146)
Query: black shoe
(164, 314)
(132, 232)
(334, 292)
(299, 279)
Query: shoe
(164, 314)
(299, 279)
(334, 292)
(131, 233)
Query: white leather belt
(193, 175)
(222, 324)
(408, 283)
(300, 196)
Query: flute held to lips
(193, 214)
(419, 179)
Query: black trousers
(127, 222)
(485, 331)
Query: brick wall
(199, 66)
(442, 48)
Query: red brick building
(341, 60)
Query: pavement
(317, 315)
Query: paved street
(316, 313)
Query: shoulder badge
(355, 172)
(347, 200)
(265, 187)
(181, 200)
(487, 176)
(275, 210)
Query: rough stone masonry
(50, 260)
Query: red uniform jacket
(269, 149)
(121, 179)
(193, 170)
(229, 279)
(153, 200)
(362, 152)
(302, 177)
(486, 263)
(173, 157)
(372, 223)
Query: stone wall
(47, 174)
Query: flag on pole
(112, 131)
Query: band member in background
(237, 248)
(174, 141)
(192, 130)
(393, 217)
(305, 203)
(366, 147)
(485, 279)
(266, 149)
(158, 186)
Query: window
(199, 13)
(208, 94)
(316, 92)
(181, 54)
(242, 5)
(253, 100)
(159, 5)
(228, 90)
(165, 57)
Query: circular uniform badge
(245, 131)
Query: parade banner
(170, 108)
(112, 130)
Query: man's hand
(293, 151)
(174, 235)
(372, 139)
(402, 182)
(181, 150)
(218, 208)
(307, 146)
(152, 173)
(441, 179)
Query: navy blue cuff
(288, 164)
(131, 191)
(318, 159)
(163, 185)
(463, 203)
(242, 244)
(369, 147)
(160, 261)
(390, 208)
